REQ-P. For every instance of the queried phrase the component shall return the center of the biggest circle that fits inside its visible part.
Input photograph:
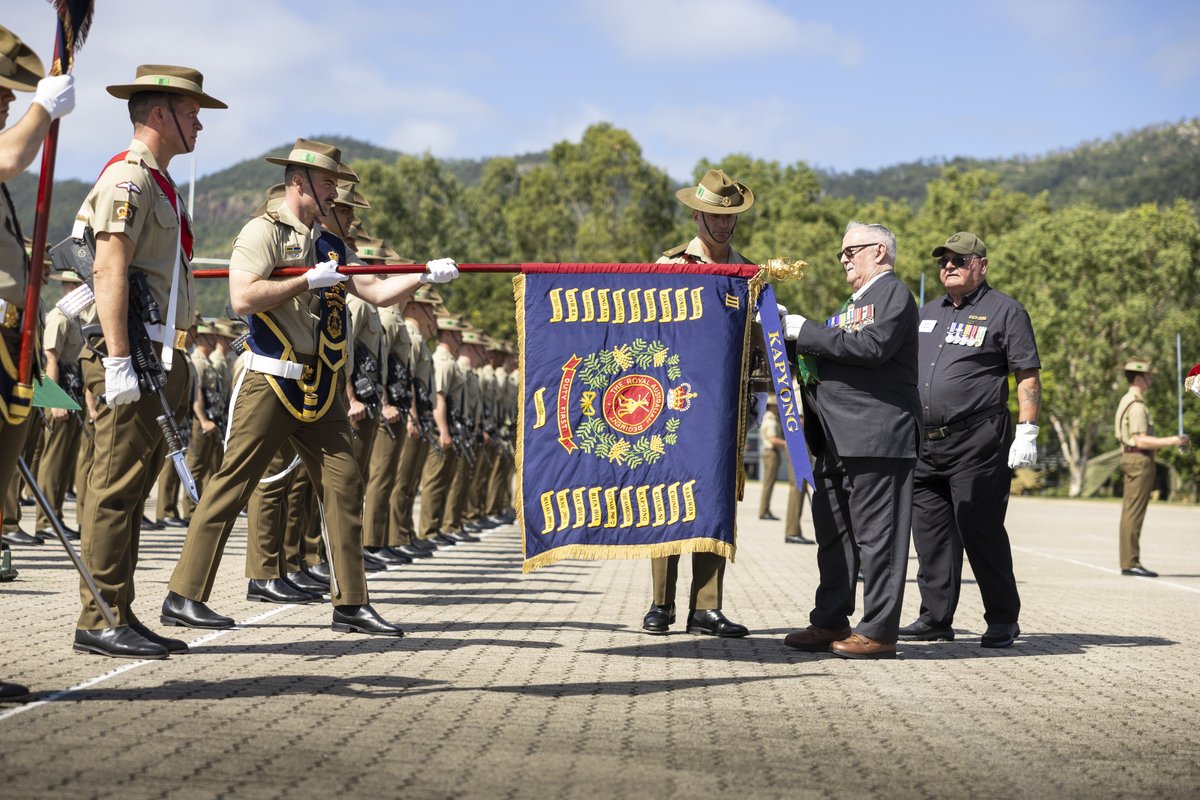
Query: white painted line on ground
(1109, 570)
(112, 673)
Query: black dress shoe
(318, 571)
(120, 642)
(307, 583)
(173, 522)
(69, 496)
(423, 544)
(184, 612)
(711, 622)
(1140, 571)
(362, 619)
(411, 552)
(442, 541)
(769, 516)
(386, 556)
(372, 564)
(462, 536)
(1000, 634)
(149, 524)
(11, 691)
(277, 590)
(471, 527)
(172, 646)
(19, 537)
(659, 618)
(799, 538)
(922, 631)
(27, 502)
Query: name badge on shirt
(961, 333)
(927, 325)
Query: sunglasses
(850, 252)
(958, 261)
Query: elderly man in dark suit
(862, 416)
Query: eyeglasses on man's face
(851, 251)
(957, 261)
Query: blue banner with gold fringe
(632, 408)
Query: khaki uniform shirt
(126, 199)
(488, 395)
(223, 366)
(366, 329)
(770, 429)
(445, 375)
(12, 258)
(279, 239)
(693, 253)
(396, 341)
(470, 400)
(420, 360)
(209, 378)
(1132, 417)
(62, 336)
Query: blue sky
(835, 85)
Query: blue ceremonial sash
(632, 414)
(788, 400)
(309, 397)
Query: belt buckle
(936, 434)
(180, 342)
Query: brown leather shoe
(859, 646)
(815, 640)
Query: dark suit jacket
(866, 404)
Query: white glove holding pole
(782, 313)
(1023, 452)
(56, 94)
(120, 381)
(792, 324)
(442, 270)
(323, 275)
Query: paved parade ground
(543, 685)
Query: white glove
(760, 408)
(324, 274)
(442, 270)
(792, 324)
(120, 381)
(56, 94)
(1023, 452)
(782, 313)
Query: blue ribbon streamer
(787, 399)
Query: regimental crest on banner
(631, 410)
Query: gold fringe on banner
(612, 552)
(519, 457)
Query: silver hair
(882, 232)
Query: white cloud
(1178, 62)
(718, 33)
(567, 124)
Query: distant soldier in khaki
(141, 226)
(62, 342)
(1136, 434)
(208, 411)
(292, 389)
(715, 204)
(444, 389)
(420, 319)
(770, 444)
(466, 410)
(170, 488)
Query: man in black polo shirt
(969, 341)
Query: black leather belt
(1126, 448)
(935, 434)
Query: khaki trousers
(58, 461)
(203, 459)
(261, 425)
(29, 450)
(303, 544)
(477, 489)
(708, 573)
(266, 519)
(168, 490)
(770, 468)
(456, 496)
(408, 479)
(435, 486)
(129, 450)
(381, 483)
(795, 505)
(499, 492)
(1139, 471)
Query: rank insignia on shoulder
(130, 187)
(124, 212)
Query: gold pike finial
(781, 269)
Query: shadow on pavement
(362, 646)
(636, 688)
(361, 686)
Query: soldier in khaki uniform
(62, 342)
(495, 503)
(420, 320)
(291, 389)
(770, 443)
(444, 389)
(468, 404)
(208, 411)
(1136, 434)
(715, 204)
(141, 225)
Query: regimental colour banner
(632, 409)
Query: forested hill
(1152, 165)
(1157, 164)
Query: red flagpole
(400, 269)
(37, 258)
